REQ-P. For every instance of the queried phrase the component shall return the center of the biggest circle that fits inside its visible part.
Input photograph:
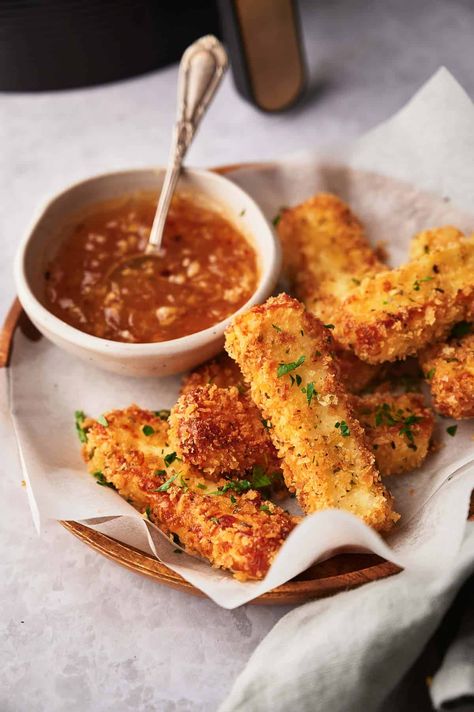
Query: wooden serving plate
(342, 572)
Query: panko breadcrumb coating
(395, 313)
(325, 255)
(238, 532)
(221, 431)
(449, 372)
(326, 252)
(437, 238)
(221, 371)
(224, 373)
(285, 354)
(398, 428)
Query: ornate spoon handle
(200, 72)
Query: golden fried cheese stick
(326, 252)
(285, 354)
(398, 429)
(325, 255)
(449, 366)
(395, 313)
(129, 450)
(449, 372)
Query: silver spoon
(201, 70)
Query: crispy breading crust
(221, 431)
(325, 255)
(397, 312)
(232, 531)
(438, 238)
(449, 372)
(221, 371)
(324, 453)
(325, 252)
(398, 427)
(395, 452)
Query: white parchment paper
(412, 172)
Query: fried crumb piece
(221, 431)
(240, 532)
(395, 313)
(399, 429)
(449, 372)
(437, 238)
(294, 381)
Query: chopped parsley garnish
(162, 414)
(406, 427)
(343, 427)
(310, 392)
(296, 379)
(170, 458)
(356, 281)
(265, 508)
(80, 417)
(384, 414)
(148, 430)
(183, 484)
(160, 473)
(236, 485)
(166, 485)
(277, 328)
(461, 329)
(451, 430)
(201, 486)
(329, 326)
(266, 423)
(214, 519)
(233, 499)
(259, 478)
(242, 213)
(103, 421)
(430, 373)
(277, 217)
(148, 513)
(417, 282)
(101, 480)
(285, 368)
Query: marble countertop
(78, 632)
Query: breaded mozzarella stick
(395, 313)
(285, 355)
(225, 522)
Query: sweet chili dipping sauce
(207, 272)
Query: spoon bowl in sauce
(139, 329)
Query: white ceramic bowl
(157, 359)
